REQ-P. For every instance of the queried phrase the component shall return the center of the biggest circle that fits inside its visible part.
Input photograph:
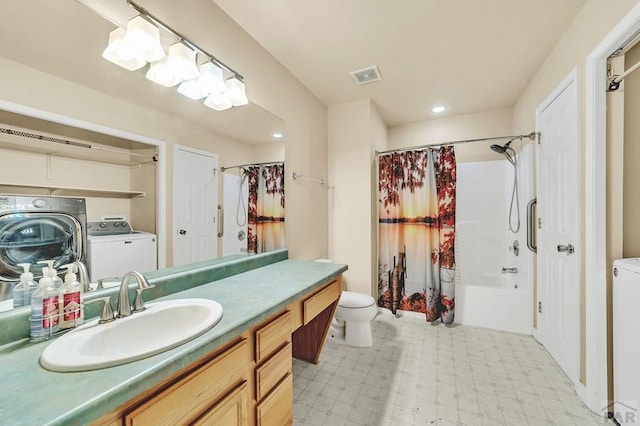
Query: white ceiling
(470, 55)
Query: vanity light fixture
(438, 109)
(218, 101)
(134, 47)
(178, 66)
(235, 91)
(210, 80)
(140, 44)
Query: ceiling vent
(366, 75)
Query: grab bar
(531, 225)
(220, 221)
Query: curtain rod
(222, 169)
(531, 136)
(299, 176)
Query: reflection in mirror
(120, 176)
(110, 181)
(254, 208)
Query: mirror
(63, 43)
(116, 175)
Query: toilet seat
(351, 300)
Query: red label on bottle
(50, 314)
(71, 303)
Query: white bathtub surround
(487, 297)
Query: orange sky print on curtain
(416, 232)
(266, 208)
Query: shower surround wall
(485, 296)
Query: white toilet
(352, 322)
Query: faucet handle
(138, 303)
(107, 314)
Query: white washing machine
(626, 345)
(114, 248)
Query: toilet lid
(349, 299)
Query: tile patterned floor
(422, 374)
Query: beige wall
(594, 21)
(32, 168)
(461, 127)
(268, 84)
(355, 131)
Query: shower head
(497, 148)
(501, 149)
(505, 150)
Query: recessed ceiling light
(438, 108)
(277, 135)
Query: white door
(235, 195)
(195, 197)
(558, 270)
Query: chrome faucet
(83, 275)
(124, 304)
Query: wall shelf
(77, 191)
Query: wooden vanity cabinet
(247, 382)
(273, 397)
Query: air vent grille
(366, 75)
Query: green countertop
(31, 395)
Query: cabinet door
(232, 410)
(277, 408)
(196, 393)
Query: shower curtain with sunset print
(266, 208)
(416, 221)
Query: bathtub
(496, 307)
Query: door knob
(184, 232)
(569, 249)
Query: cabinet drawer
(192, 395)
(272, 371)
(277, 408)
(319, 301)
(273, 336)
(232, 410)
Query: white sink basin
(162, 326)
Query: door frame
(174, 227)
(571, 78)
(161, 165)
(595, 391)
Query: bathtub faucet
(509, 270)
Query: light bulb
(218, 101)
(119, 52)
(235, 91)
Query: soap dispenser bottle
(71, 299)
(44, 310)
(51, 272)
(23, 291)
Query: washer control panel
(109, 227)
